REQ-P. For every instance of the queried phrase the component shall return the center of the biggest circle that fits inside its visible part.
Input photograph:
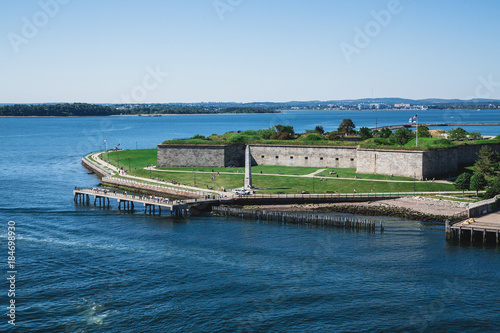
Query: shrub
(457, 133)
(311, 137)
(333, 136)
(385, 133)
(266, 134)
(365, 133)
(285, 129)
(402, 136)
(282, 136)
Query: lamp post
(150, 166)
(106, 141)
(194, 177)
(414, 177)
(129, 169)
(313, 184)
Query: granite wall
(425, 164)
(390, 162)
(304, 156)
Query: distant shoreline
(144, 115)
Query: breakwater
(301, 218)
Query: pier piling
(298, 218)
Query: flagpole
(417, 131)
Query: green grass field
(283, 182)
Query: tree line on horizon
(87, 110)
(56, 110)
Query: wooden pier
(151, 203)
(301, 218)
(485, 229)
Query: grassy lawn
(270, 184)
(275, 170)
(139, 159)
(469, 198)
(350, 173)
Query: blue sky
(247, 50)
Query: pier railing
(150, 199)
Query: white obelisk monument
(248, 169)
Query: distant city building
(402, 106)
(373, 106)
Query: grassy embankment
(273, 179)
(314, 139)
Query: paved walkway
(315, 173)
(96, 157)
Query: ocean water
(85, 269)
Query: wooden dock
(484, 229)
(176, 207)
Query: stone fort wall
(425, 164)
(195, 156)
(304, 156)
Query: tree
(365, 133)
(457, 134)
(402, 136)
(385, 133)
(463, 182)
(488, 163)
(423, 132)
(494, 188)
(285, 129)
(478, 183)
(346, 127)
(319, 129)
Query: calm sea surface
(81, 269)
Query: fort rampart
(406, 163)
